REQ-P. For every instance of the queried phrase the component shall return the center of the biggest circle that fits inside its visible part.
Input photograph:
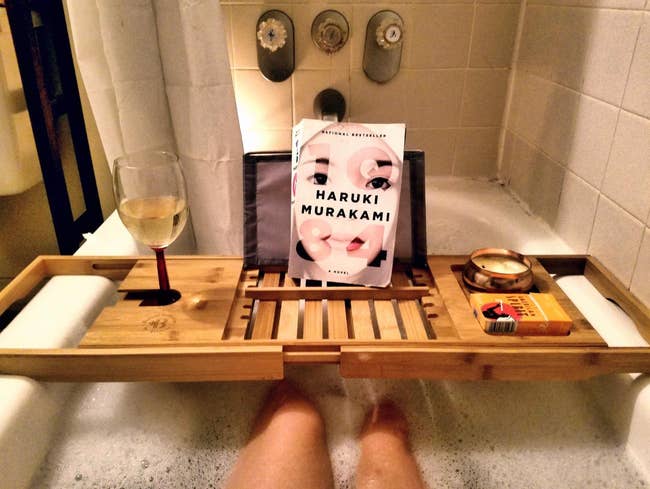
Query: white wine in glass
(151, 199)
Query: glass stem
(163, 278)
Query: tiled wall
(450, 91)
(577, 144)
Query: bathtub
(465, 434)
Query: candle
(500, 264)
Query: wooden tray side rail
(236, 324)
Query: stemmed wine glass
(151, 199)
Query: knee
(289, 411)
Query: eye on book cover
(346, 181)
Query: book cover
(346, 181)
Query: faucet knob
(389, 33)
(271, 34)
(330, 31)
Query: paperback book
(346, 181)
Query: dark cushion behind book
(267, 209)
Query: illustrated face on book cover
(360, 174)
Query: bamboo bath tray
(236, 324)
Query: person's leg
(386, 459)
(287, 448)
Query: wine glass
(151, 199)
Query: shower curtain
(158, 77)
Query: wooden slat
(23, 284)
(263, 327)
(434, 309)
(386, 320)
(145, 364)
(312, 326)
(337, 323)
(410, 311)
(240, 314)
(335, 293)
(545, 284)
(495, 363)
(455, 302)
(289, 312)
(361, 320)
(112, 267)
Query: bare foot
(386, 459)
(287, 448)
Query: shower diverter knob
(330, 31)
(389, 34)
(383, 49)
(275, 47)
(271, 34)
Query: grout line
(621, 9)
(407, 70)
(566, 168)
(620, 107)
(514, 62)
(593, 222)
(571, 89)
(637, 259)
(576, 91)
(463, 93)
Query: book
(520, 314)
(346, 182)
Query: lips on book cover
(346, 181)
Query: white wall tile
(586, 49)
(266, 140)
(434, 98)
(612, 40)
(307, 84)
(374, 102)
(616, 239)
(554, 41)
(448, 1)
(261, 103)
(536, 179)
(441, 36)
(637, 92)
(620, 4)
(427, 93)
(476, 153)
(438, 146)
(493, 38)
(531, 95)
(484, 97)
(591, 136)
(575, 217)
(627, 180)
(573, 129)
(505, 163)
(641, 279)
(522, 161)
